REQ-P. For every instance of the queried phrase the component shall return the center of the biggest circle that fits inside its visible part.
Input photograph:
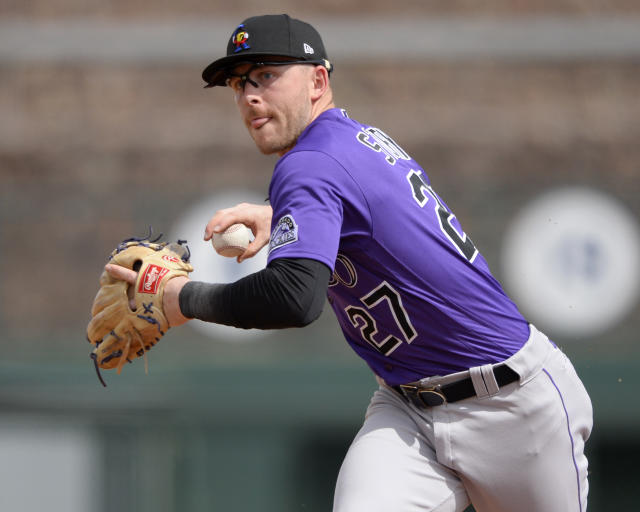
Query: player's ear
(319, 82)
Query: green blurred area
(262, 438)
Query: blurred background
(526, 116)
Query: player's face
(274, 102)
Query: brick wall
(91, 153)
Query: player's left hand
(170, 302)
(129, 311)
(255, 216)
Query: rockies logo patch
(285, 232)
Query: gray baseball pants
(519, 447)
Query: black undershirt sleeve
(289, 292)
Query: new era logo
(308, 49)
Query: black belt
(431, 396)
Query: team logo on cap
(239, 38)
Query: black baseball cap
(273, 35)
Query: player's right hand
(255, 216)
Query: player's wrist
(171, 301)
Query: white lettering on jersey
(377, 140)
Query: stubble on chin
(266, 147)
(279, 144)
(269, 143)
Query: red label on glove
(172, 259)
(151, 278)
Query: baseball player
(474, 405)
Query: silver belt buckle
(432, 396)
(422, 397)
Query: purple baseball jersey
(413, 296)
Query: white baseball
(232, 242)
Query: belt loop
(490, 379)
(478, 382)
